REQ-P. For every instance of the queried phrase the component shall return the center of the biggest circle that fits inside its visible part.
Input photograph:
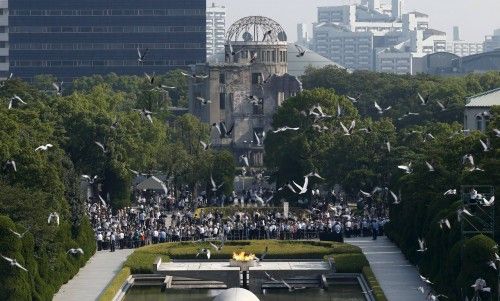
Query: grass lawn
(348, 258)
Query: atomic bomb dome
(256, 29)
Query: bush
(277, 249)
(350, 263)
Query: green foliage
(350, 263)
(362, 161)
(400, 92)
(355, 161)
(94, 109)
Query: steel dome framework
(254, 29)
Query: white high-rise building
(464, 48)
(216, 29)
(460, 47)
(353, 50)
(375, 36)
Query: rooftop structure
(477, 109)
(484, 100)
(298, 65)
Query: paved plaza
(262, 266)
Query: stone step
(199, 286)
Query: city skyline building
(216, 29)
(4, 39)
(302, 34)
(492, 42)
(70, 39)
(375, 36)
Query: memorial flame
(242, 256)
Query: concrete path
(397, 277)
(93, 278)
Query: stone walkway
(93, 278)
(397, 277)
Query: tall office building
(302, 34)
(4, 39)
(456, 33)
(216, 29)
(68, 38)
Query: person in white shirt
(99, 241)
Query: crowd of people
(157, 218)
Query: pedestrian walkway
(397, 277)
(93, 278)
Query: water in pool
(344, 292)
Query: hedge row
(45, 274)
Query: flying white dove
(285, 128)
(395, 197)
(406, 168)
(487, 203)
(163, 186)
(450, 192)
(461, 212)
(444, 222)
(14, 263)
(43, 147)
(205, 146)
(303, 188)
(53, 216)
(421, 245)
(75, 251)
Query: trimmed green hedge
(47, 268)
(350, 263)
(277, 249)
(374, 285)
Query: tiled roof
(485, 99)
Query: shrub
(350, 263)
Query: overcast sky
(476, 18)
